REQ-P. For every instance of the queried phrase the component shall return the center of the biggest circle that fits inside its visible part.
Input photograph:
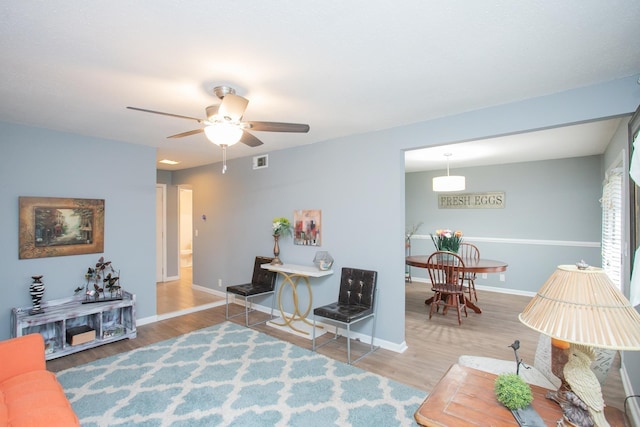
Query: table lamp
(580, 308)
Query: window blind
(612, 226)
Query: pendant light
(448, 182)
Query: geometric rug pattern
(229, 375)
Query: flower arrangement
(447, 240)
(281, 227)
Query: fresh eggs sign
(491, 200)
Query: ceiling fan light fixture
(223, 133)
(448, 182)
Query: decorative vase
(36, 290)
(276, 251)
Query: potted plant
(447, 240)
(281, 227)
(512, 391)
(515, 394)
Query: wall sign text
(490, 200)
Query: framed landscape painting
(52, 226)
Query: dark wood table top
(465, 397)
(480, 266)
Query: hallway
(179, 295)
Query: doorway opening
(180, 295)
(185, 226)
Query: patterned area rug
(229, 375)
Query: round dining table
(481, 265)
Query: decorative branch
(515, 346)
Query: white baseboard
(397, 348)
(221, 293)
(487, 288)
(146, 320)
(159, 317)
(632, 406)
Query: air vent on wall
(261, 162)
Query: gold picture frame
(306, 227)
(53, 226)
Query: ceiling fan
(224, 125)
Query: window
(612, 226)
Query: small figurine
(515, 346)
(36, 290)
(584, 383)
(104, 278)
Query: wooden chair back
(446, 271)
(469, 251)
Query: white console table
(291, 275)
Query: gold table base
(293, 280)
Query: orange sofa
(29, 394)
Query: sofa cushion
(3, 409)
(35, 399)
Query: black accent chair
(262, 283)
(356, 302)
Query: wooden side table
(465, 397)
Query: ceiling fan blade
(165, 114)
(278, 127)
(233, 106)
(250, 140)
(188, 133)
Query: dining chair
(262, 283)
(356, 302)
(469, 251)
(447, 282)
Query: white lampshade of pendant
(222, 133)
(449, 183)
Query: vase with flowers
(281, 227)
(447, 240)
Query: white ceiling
(586, 139)
(343, 67)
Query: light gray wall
(358, 182)
(620, 142)
(332, 176)
(551, 216)
(172, 212)
(45, 163)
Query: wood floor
(433, 345)
(179, 295)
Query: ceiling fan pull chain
(224, 159)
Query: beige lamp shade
(582, 306)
